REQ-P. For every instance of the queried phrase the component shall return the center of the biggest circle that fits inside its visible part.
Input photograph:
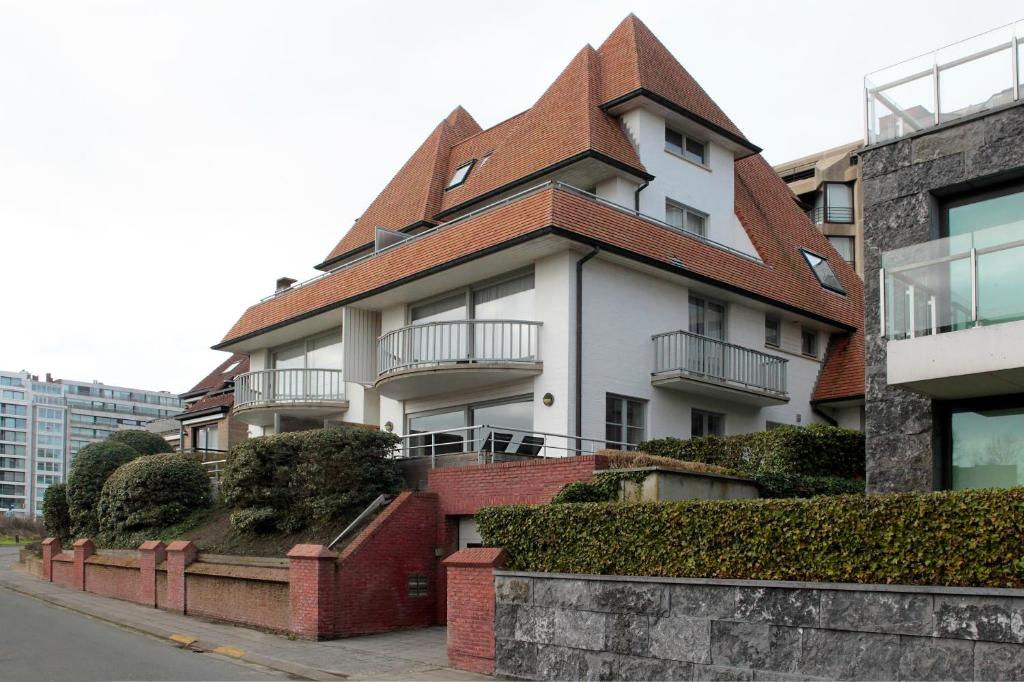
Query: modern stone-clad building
(943, 187)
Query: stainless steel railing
(458, 341)
(681, 351)
(273, 386)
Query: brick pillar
(151, 553)
(311, 587)
(51, 548)
(84, 548)
(471, 608)
(180, 554)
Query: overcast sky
(162, 163)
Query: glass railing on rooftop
(971, 76)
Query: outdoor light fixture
(548, 399)
(389, 426)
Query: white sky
(162, 163)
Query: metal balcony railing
(723, 362)
(456, 342)
(284, 386)
(831, 214)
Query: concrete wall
(902, 181)
(554, 626)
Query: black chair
(530, 446)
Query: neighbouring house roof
(565, 122)
(217, 388)
(842, 376)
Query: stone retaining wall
(555, 626)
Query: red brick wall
(471, 608)
(115, 577)
(161, 589)
(373, 571)
(263, 603)
(64, 569)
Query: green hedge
(143, 442)
(799, 485)
(815, 450)
(89, 471)
(294, 480)
(968, 537)
(56, 517)
(151, 493)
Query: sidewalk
(405, 655)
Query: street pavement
(50, 632)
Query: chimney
(49, 378)
(284, 284)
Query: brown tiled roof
(843, 373)
(219, 378)
(223, 400)
(633, 59)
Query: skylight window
(460, 174)
(823, 271)
(231, 367)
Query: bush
(815, 450)
(56, 516)
(151, 493)
(969, 537)
(307, 478)
(143, 442)
(799, 485)
(92, 465)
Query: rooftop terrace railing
(968, 77)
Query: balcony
(953, 315)
(832, 214)
(975, 75)
(301, 393)
(692, 363)
(457, 355)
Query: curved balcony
(456, 355)
(303, 393)
(697, 364)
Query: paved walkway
(405, 655)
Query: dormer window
(686, 219)
(460, 174)
(682, 145)
(823, 271)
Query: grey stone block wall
(901, 181)
(558, 627)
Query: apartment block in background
(43, 425)
(827, 186)
(943, 179)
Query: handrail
(378, 502)
(683, 351)
(458, 341)
(273, 386)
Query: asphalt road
(40, 642)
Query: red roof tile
(842, 376)
(208, 402)
(220, 377)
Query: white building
(43, 425)
(616, 263)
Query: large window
(703, 423)
(844, 246)
(317, 352)
(206, 437)
(833, 203)
(625, 420)
(682, 145)
(501, 427)
(686, 219)
(985, 443)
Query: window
(706, 423)
(772, 331)
(838, 203)
(686, 219)
(624, 422)
(809, 342)
(823, 271)
(844, 247)
(509, 431)
(707, 317)
(206, 437)
(984, 446)
(460, 174)
(682, 145)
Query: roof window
(232, 366)
(823, 271)
(460, 174)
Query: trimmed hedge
(89, 471)
(295, 480)
(56, 516)
(815, 450)
(970, 537)
(151, 493)
(798, 485)
(143, 442)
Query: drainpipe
(579, 347)
(636, 195)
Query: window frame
(778, 330)
(973, 197)
(827, 206)
(942, 470)
(452, 184)
(682, 153)
(467, 292)
(687, 209)
(853, 248)
(814, 334)
(467, 413)
(704, 414)
(624, 426)
(805, 252)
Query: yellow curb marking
(183, 639)
(229, 651)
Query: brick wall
(113, 576)
(63, 569)
(374, 569)
(471, 608)
(251, 595)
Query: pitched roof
(221, 378)
(224, 401)
(633, 60)
(842, 376)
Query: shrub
(150, 493)
(815, 450)
(307, 478)
(799, 485)
(143, 442)
(92, 465)
(56, 517)
(969, 537)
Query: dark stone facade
(555, 627)
(903, 182)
